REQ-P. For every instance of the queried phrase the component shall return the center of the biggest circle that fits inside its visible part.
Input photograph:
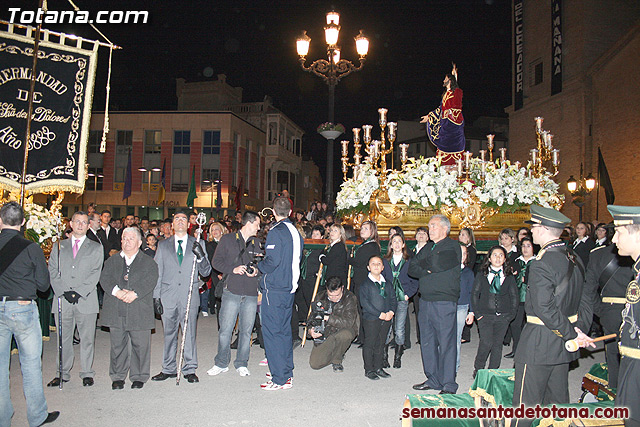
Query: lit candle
(356, 135)
(459, 166)
(367, 133)
(490, 140)
(503, 155)
(549, 140)
(467, 160)
(538, 123)
(483, 155)
(376, 148)
(383, 116)
(534, 156)
(392, 131)
(555, 153)
(403, 153)
(345, 148)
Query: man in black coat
(626, 220)
(128, 280)
(556, 313)
(108, 235)
(437, 265)
(607, 277)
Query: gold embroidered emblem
(633, 292)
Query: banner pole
(32, 88)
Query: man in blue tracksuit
(281, 270)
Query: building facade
(217, 148)
(576, 64)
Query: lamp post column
(329, 189)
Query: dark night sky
(412, 45)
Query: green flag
(192, 189)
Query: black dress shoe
(162, 376)
(137, 384)
(509, 355)
(51, 417)
(192, 378)
(117, 385)
(87, 381)
(382, 373)
(56, 382)
(446, 392)
(337, 367)
(422, 386)
(371, 375)
(475, 372)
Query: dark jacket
(27, 273)
(555, 284)
(466, 286)
(409, 284)
(110, 242)
(372, 302)
(143, 277)
(281, 266)
(504, 303)
(336, 260)
(583, 249)
(226, 259)
(615, 286)
(345, 313)
(360, 261)
(438, 268)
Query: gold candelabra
(545, 152)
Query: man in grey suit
(128, 280)
(175, 257)
(74, 269)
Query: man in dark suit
(556, 313)
(108, 235)
(94, 226)
(74, 268)
(128, 281)
(175, 257)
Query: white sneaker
(217, 370)
(264, 362)
(243, 371)
(205, 314)
(268, 375)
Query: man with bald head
(175, 257)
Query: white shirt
(397, 258)
(376, 281)
(490, 275)
(578, 241)
(81, 239)
(600, 242)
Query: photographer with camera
(236, 257)
(333, 324)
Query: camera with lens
(257, 256)
(251, 267)
(318, 311)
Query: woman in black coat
(583, 244)
(335, 258)
(495, 302)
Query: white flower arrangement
(424, 183)
(41, 224)
(356, 192)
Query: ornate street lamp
(580, 189)
(331, 70)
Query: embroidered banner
(518, 54)
(61, 113)
(556, 46)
